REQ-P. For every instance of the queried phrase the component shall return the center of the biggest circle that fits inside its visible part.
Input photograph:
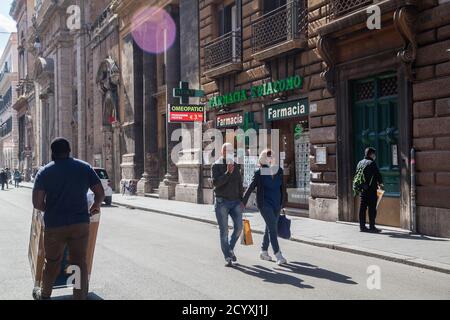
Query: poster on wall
(302, 167)
(250, 166)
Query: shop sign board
(186, 113)
(229, 120)
(263, 90)
(285, 110)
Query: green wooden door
(375, 124)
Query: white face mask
(374, 157)
(229, 157)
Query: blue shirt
(272, 191)
(66, 183)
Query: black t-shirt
(66, 183)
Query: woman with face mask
(268, 181)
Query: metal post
(413, 191)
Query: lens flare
(153, 29)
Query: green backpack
(359, 181)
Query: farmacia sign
(263, 90)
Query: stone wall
(431, 124)
(323, 202)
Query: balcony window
(223, 50)
(281, 29)
(223, 55)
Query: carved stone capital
(405, 20)
(325, 50)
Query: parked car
(107, 186)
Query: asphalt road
(140, 255)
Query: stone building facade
(103, 82)
(9, 134)
(63, 49)
(22, 12)
(148, 79)
(360, 86)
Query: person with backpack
(17, 178)
(365, 184)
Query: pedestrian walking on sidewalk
(8, 177)
(268, 181)
(17, 178)
(368, 190)
(228, 191)
(60, 191)
(3, 178)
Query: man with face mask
(228, 191)
(368, 195)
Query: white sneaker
(280, 259)
(265, 256)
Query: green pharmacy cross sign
(184, 92)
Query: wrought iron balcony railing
(339, 8)
(285, 23)
(224, 50)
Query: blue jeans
(271, 217)
(225, 208)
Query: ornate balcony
(281, 30)
(224, 55)
(338, 8)
(346, 17)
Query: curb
(406, 260)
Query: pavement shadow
(272, 276)
(91, 296)
(314, 271)
(409, 236)
(109, 206)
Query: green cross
(184, 92)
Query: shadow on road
(314, 271)
(91, 296)
(409, 236)
(269, 275)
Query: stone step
(297, 212)
(154, 195)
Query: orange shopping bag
(380, 194)
(246, 238)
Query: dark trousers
(76, 237)
(368, 200)
(271, 218)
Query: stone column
(81, 87)
(51, 133)
(190, 169)
(149, 178)
(116, 155)
(138, 82)
(167, 186)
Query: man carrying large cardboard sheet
(60, 192)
